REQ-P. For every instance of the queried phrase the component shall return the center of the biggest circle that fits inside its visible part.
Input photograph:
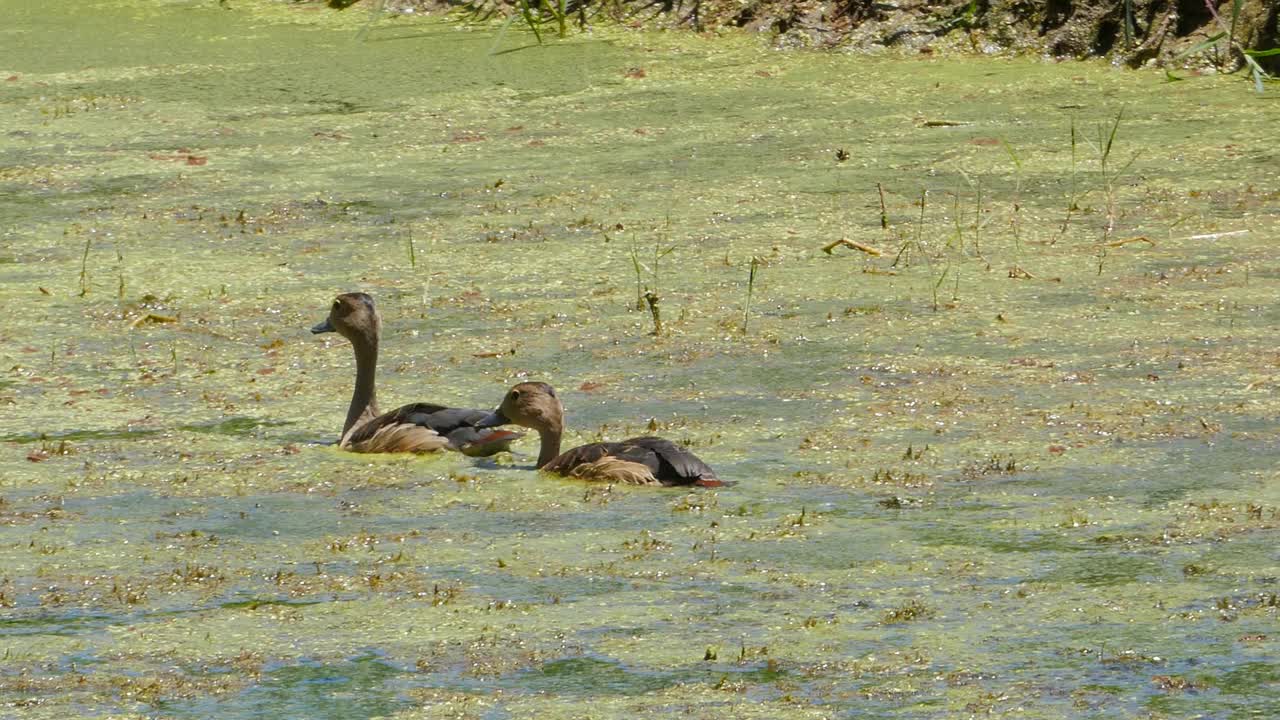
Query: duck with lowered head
(416, 428)
(637, 461)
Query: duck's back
(666, 462)
(451, 427)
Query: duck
(644, 460)
(414, 428)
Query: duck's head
(354, 317)
(531, 404)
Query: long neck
(364, 399)
(550, 445)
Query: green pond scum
(1009, 450)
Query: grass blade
(1210, 42)
(530, 20)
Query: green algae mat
(989, 346)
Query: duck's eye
(551, 391)
(515, 394)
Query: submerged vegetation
(988, 346)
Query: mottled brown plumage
(612, 469)
(416, 428)
(638, 461)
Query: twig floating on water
(153, 318)
(850, 243)
(1129, 240)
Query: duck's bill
(324, 327)
(493, 419)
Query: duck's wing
(440, 418)
(609, 462)
(389, 432)
(639, 461)
(675, 464)
(565, 462)
(459, 426)
(437, 427)
(364, 432)
(393, 438)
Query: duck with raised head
(416, 428)
(637, 461)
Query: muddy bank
(1136, 32)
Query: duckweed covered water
(1022, 463)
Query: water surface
(1026, 469)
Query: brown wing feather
(612, 469)
(396, 438)
(640, 461)
(565, 462)
(426, 427)
(364, 432)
